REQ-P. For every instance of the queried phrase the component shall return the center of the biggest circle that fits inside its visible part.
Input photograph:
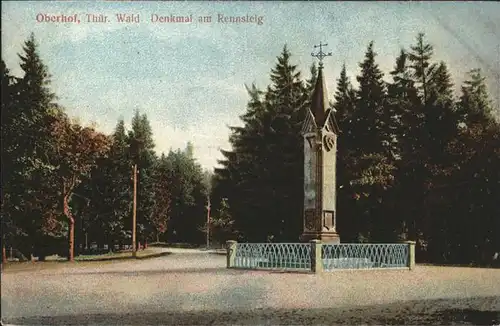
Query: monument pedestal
(324, 236)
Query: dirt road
(196, 288)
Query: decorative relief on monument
(309, 123)
(330, 124)
(310, 219)
(310, 141)
(329, 141)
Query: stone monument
(320, 131)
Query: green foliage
(222, 226)
(106, 206)
(266, 152)
(413, 163)
(27, 113)
(422, 69)
(474, 105)
(61, 174)
(189, 193)
(370, 114)
(140, 139)
(345, 110)
(162, 196)
(170, 194)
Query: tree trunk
(4, 254)
(71, 237)
(111, 244)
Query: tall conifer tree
(142, 153)
(266, 151)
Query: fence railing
(361, 255)
(273, 255)
(316, 256)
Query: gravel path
(197, 289)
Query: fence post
(231, 252)
(316, 261)
(411, 254)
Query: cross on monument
(320, 55)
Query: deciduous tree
(75, 152)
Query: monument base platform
(325, 237)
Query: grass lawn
(13, 267)
(146, 253)
(80, 261)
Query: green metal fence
(364, 255)
(273, 256)
(316, 256)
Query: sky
(189, 78)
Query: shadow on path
(424, 312)
(187, 270)
(192, 270)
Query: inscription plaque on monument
(328, 220)
(309, 182)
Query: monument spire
(319, 100)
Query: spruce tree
(188, 198)
(344, 102)
(373, 166)
(417, 153)
(239, 177)
(9, 161)
(313, 72)
(110, 218)
(475, 107)
(286, 101)
(423, 69)
(162, 190)
(222, 226)
(441, 124)
(266, 151)
(32, 111)
(36, 101)
(473, 221)
(345, 106)
(402, 100)
(141, 143)
(371, 118)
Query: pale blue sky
(189, 78)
